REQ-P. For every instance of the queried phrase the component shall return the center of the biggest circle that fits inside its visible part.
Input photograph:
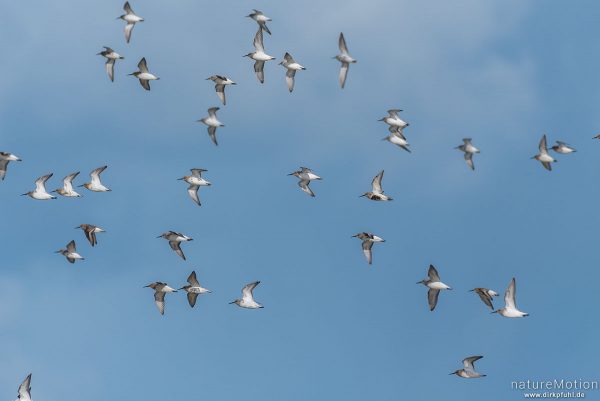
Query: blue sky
(501, 72)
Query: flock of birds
(305, 175)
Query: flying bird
(111, 56)
(259, 56)
(305, 175)
(70, 252)
(247, 300)
(196, 181)
(261, 19)
(160, 289)
(40, 192)
(291, 66)
(563, 148)
(95, 185)
(486, 295)
(394, 120)
(469, 150)
(368, 240)
(90, 232)
(25, 390)
(144, 75)
(435, 285)
(193, 289)
(377, 193)
(212, 123)
(344, 58)
(67, 189)
(175, 239)
(220, 83)
(468, 371)
(131, 20)
(510, 308)
(544, 157)
(397, 138)
(6, 158)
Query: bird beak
(494, 311)
(232, 302)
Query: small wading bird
(435, 285)
(469, 150)
(175, 239)
(305, 175)
(194, 289)
(95, 185)
(220, 83)
(6, 158)
(196, 181)
(291, 66)
(90, 232)
(368, 240)
(261, 19)
(25, 390)
(111, 56)
(543, 156)
(160, 289)
(131, 19)
(563, 148)
(344, 58)
(510, 308)
(394, 120)
(247, 300)
(70, 252)
(468, 372)
(259, 56)
(40, 193)
(67, 189)
(377, 193)
(486, 295)
(212, 123)
(144, 75)
(397, 138)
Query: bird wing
(192, 297)
(288, 58)
(25, 389)
(433, 274)
(212, 112)
(175, 245)
(145, 84)
(509, 295)
(110, 69)
(289, 79)
(220, 88)
(342, 44)
(159, 300)
(247, 291)
(3, 166)
(40, 183)
(547, 166)
(485, 297)
(469, 160)
(193, 280)
(367, 250)
(96, 175)
(303, 184)
(259, 69)
(197, 172)
(432, 298)
(263, 26)
(193, 193)
(212, 132)
(376, 183)
(258, 40)
(343, 74)
(68, 181)
(127, 8)
(128, 30)
(142, 65)
(90, 235)
(469, 362)
(71, 247)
